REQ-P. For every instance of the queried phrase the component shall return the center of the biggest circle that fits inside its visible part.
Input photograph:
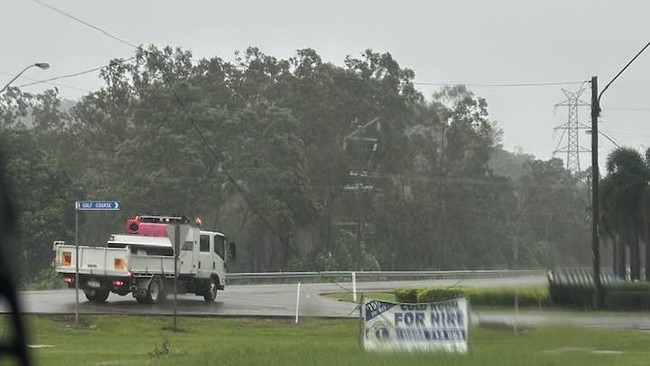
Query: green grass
(141, 340)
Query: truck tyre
(155, 291)
(97, 295)
(211, 290)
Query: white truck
(142, 262)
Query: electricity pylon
(572, 127)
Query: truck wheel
(155, 291)
(211, 291)
(97, 295)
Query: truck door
(218, 252)
(188, 254)
(204, 263)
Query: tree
(550, 222)
(623, 192)
(44, 195)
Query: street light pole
(40, 65)
(595, 242)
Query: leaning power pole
(362, 142)
(572, 127)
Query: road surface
(245, 300)
(279, 300)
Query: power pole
(360, 175)
(572, 128)
(595, 177)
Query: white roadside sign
(429, 327)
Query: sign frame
(97, 206)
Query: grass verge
(142, 340)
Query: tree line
(306, 164)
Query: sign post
(85, 206)
(175, 233)
(177, 244)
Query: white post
(516, 310)
(354, 286)
(297, 302)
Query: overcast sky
(455, 41)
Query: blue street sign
(97, 205)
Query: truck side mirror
(232, 250)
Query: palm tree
(610, 224)
(624, 192)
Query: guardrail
(580, 276)
(354, 276)
(387, 274)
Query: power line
(35, 82)
(629, 109)
(627, 133)
(55, 84)
(423, 83)
(458, 180)
(67, 76)
(84, 23)
(500, 85)
(60, 77)
(561, 139)
(208, 146)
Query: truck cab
(212, 256)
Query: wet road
(245, 300)
(279, 300)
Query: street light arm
(609, 138)
(40, 65)
(620, 72)
(16, 77)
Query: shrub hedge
(617, 296)
(579, 296)
(406, 295)
(499, 297)
(438, 294)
